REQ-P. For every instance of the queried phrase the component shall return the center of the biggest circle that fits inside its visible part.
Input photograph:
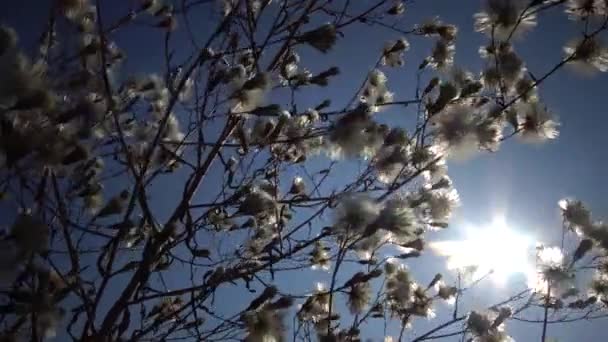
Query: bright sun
(494, 249)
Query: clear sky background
(521, 181)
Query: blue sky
(521, 181)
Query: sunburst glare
(495, 250)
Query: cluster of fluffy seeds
(440, 203)
(526, 90)
(290, 68)
(264, 325)
(587, 55)
(405, 297)
(220, 219)
(166, 309)
(536, 123)
(376, 93)
(398, 220)
(44, 131)
(355, 214)
(81, 12)
(579, 219)
(488, 327)
(583, 9)
(399, 285)
(530, 119)
(300, 138)
(393, 53)
(598, 288)
(258, 203)
(503, 19)
(464, 80)
(162, 12)
(435, 27)
(393, 159)
(251, 93)
(397, 8)
(375, 224)
(22, 83)
(290, 137)
(319, 257)
(445, 292)
(292, 75)
(316, 309)
(461, 130)
(356, 135)
(83, 15)
(455, 130)
(359, 296)
(442, 55)
(504, 68)
(153, 90)
(261, 131)
(552, 271)
(506, 73)
(322, 38)
(238, 8)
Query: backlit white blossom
(356, 135)
(322, 38)
(393, 53)
(484, 327)
(581, 9)
(252, 93)
(599, 286)
(397, 217)
(575, 212)
(264, 325)
(505, 67)
(359, 295)
(489, 134)
(376, 92)
(73, 9)
(552, 271)
(537, 124)
(399, 287)
(397, 8)
(354, 214)
(434, 26)
(442, 55)
(503, 18)
(526, 90)
(455, 130)
(441, 203)
(393, 158)
(316, 306)
(392, 162)
(257, 202)
(319, 257)
(588, 55)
